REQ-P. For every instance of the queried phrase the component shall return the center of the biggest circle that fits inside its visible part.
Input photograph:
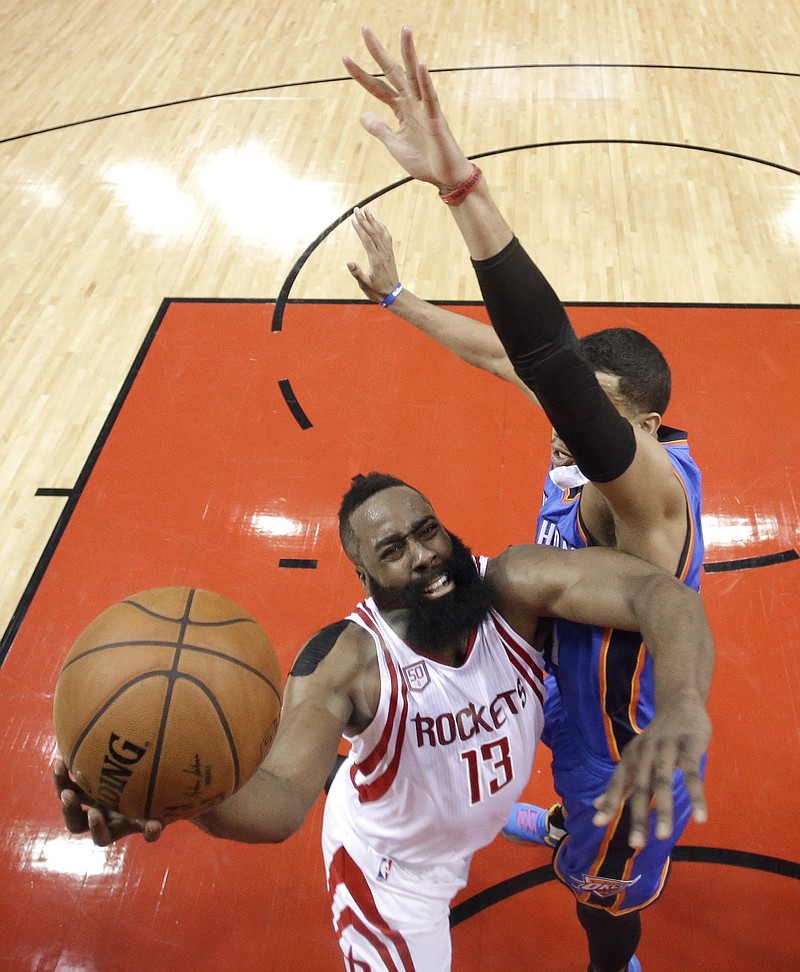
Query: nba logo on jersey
(416, 676)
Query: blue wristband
(390, 298)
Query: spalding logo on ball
(167, 703)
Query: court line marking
(238, 92)
(682, 854)
(283, 295)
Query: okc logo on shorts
(602, 887)
(416, 676)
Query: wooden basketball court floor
(190, 379)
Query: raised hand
(423, 143)
(643, 776)
(381, 276)
(82, 816)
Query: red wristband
(460, 193)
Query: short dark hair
(362, 487)
(644, 376)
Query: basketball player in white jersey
(436, 682)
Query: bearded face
(434, 622)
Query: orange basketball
(167, 703)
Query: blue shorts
(596, 863)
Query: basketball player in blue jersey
(618, 478)
(435, 680)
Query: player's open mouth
(442, 585)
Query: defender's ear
(650, 422)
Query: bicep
(600, 586)
(593, 585)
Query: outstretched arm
(273, 804)
(628, 465)
(467, 338)
(525, 311)
(613, 590)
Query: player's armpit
(610, 589)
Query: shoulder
(676, 444)
(527, 571)
(518, 561)
(344, 639)
(519, 580)
(338, 662)
(653, 450)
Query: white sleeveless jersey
(436, 773)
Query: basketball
(167, 703)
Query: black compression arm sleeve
(532, 324)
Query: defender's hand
(81, 815)
(381, 275)
(674, 740)
(423, 143)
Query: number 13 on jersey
(489, 768)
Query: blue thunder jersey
(605, 676)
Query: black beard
(438, 623)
